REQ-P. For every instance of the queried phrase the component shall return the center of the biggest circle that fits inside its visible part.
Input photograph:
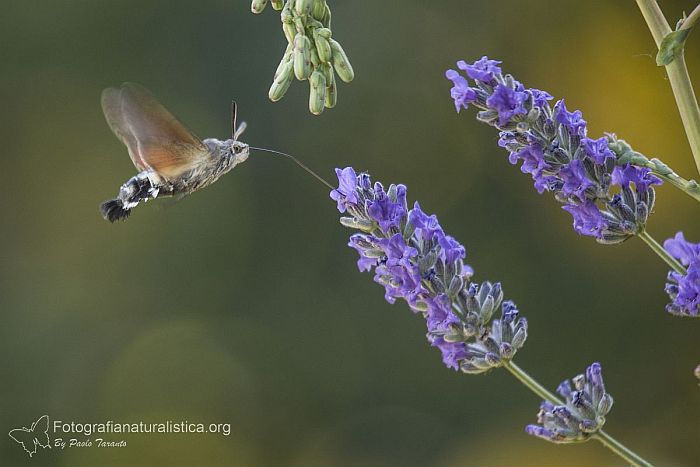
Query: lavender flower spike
(584, 411)
(608, 197)
(417, 262)
(684, 289)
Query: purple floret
(684, 289)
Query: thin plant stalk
(621, 450)
(607, 440)
(677, 75)
(663, 254)
(689, 187)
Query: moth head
(239, 150)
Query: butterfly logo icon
(37, 435)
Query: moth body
(171, 160)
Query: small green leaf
(671, 47)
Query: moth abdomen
(137, 189)
(114, 210)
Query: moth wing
(154, 137)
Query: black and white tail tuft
(113, 210)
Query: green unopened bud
(303, 7)
(374, 253)
(317, 92)
(282, 81)
(323, 47)
(285, 58)
(318, 9)
(454, 335)
(331, 96)
(277, 4)
(361, 224)
(605, 404)
(341, 62)
(331, 87)
(522, 127)
(519, 338)
(288, 26)
(287, 14)
(409, 228)
(392, 193)
(290, 31)
(427, 261)
(420, 306)
(257, 6)
(315, 62)
(325, 33)
(456, 284)
(327, 70)
(313, 24)
(534, 114)
(302, 57)
(299, 24)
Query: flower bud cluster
(608, 197)
(415, 260)
(583, 413)
(684, 289)
(311, 55)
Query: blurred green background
(242, 303)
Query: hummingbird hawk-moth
(171, 160)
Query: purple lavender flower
(386, 212)
(582, 415)
(415, 260)
(426, 225)
(441, 322)
(533, 163)
(540, 98)
(575, 181)
(684, 289)
(483, 69)
(608, 198)
(452, 250)
(588, 220)
(640, 176)
(462, 94)
(508, 102)
(346, 188)
(572, 120)
(366, 261)
(597, 149)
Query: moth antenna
(236, 131)
(297, 162)
(234, 117)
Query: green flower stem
(663, 254)
(531, 383)
(625, 154)
(689, 187)
(677, 75)
(620, 449)
(607, 440)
